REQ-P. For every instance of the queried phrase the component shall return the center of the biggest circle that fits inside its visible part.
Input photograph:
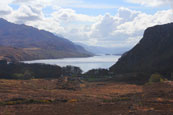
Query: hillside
(32, 43)
(154, 53)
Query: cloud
(24, 14)
(69, 15)
(33, 3)
(126, 14)
(104, 26)
(108, 29)
(143, 20)
(5, 9)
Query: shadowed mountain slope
(154, 53)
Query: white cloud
(5, 9)
(25, 14)
(126, 14)
(69, 15)
(104, 26)
(33, 3)
(142, 21)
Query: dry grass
(42, 97)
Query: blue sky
(107, 23)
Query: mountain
(105, 50)
(33, 43)
(154, 53)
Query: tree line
(17, 70)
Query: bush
(156, 78)
(26, 75)
(97, 73)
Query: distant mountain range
(154, 53)
(21, 42)
(105, 50)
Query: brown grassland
(44, 97)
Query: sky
(106, 23)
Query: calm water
(103, 61)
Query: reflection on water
(103, 61)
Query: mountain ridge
(47, 44)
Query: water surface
(88, 63)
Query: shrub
(26, 75)
(72, 100)
(18, 76)
(156, 78)
(117, 99)
(97, 72)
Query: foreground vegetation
(44, 97)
